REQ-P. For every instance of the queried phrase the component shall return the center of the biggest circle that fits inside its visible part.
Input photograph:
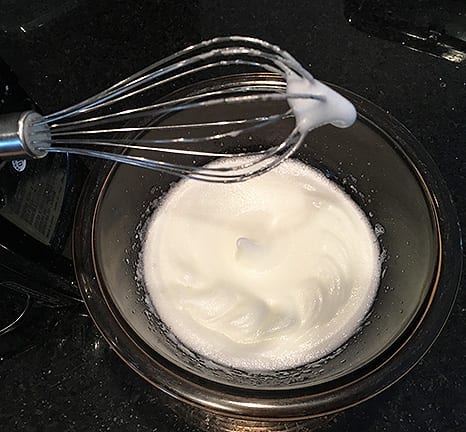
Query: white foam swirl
(266, 274)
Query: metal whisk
(107, 125)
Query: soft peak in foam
(333, 108)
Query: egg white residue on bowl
(266, 274)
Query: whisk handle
(23, 135)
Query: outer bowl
(386, 171)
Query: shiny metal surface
(20, 138)
(398, 184)
(63, 383)
(109, 123)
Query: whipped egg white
(266, 274)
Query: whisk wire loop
(122, 121)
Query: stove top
(57, 372)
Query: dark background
(58, 373)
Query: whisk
(106, 126)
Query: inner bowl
(385, 171)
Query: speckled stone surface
(57, 373)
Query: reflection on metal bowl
(386, 171)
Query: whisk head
(125, 117)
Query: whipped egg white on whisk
(270, 273)
(332, 108)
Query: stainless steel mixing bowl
(385, 170)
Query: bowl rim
(282, 404)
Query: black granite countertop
(63, 376)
